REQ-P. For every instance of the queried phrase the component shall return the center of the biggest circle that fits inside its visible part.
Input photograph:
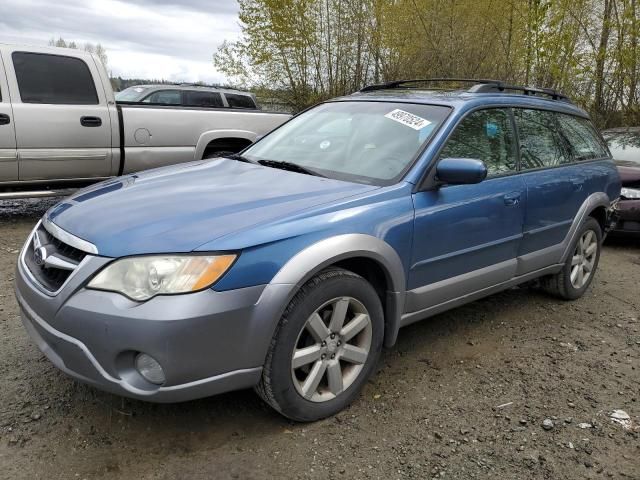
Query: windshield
(624, 146)
(131, 94)
(364, 142)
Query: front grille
(59, 262)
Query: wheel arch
(365, 255)
(220, 137)
(600, 214)
(593, 205)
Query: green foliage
(304, 51)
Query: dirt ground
(463, 395)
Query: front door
(8, 153)
(466, 237)
(62, 123)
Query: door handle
(511, 199)
(4, 119)
(90, 121)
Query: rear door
(555, 186)
(8, 153)
(62, 122)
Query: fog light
(150, 369)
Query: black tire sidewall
(573, 292)
(289, 401)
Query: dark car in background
(624, 144)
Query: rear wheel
(580, 267)
(326, 346)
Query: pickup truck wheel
(580, 267)
(325, 348)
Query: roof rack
(479, 85)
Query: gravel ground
(516, 386)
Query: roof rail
(479, 85)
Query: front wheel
(326, 346)
(580, 267)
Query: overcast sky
(170, 39)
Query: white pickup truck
(60, 125)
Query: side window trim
(516, 137)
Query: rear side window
(239, 101)
(485, 135)
(541, 144)
(54, 79)
(203, 99)
(165, 97)
(585, 143)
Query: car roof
(463, 99)
(171, 86)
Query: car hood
(629, 173)
(179, 208)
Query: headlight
(630, 193)
(142, 278)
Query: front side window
(239, 101)
(485, 135)
(541, 143)
(203, 99)
(365, 142)
(54, 79)
(582, 138)
(165, 97)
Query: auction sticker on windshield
(408, 119)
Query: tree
(303, 51)
(97, 49)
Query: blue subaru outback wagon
(288, 267)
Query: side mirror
(457, 171)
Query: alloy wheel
(584, 258)
(331, 349)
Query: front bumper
(207, 342)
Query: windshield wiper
(240, 158)
(292, 167)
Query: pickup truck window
(54, 79)
(202, 99)
(239, 101)
(165, 97)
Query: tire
(217, 153)
(571, 287)
(289, 387)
